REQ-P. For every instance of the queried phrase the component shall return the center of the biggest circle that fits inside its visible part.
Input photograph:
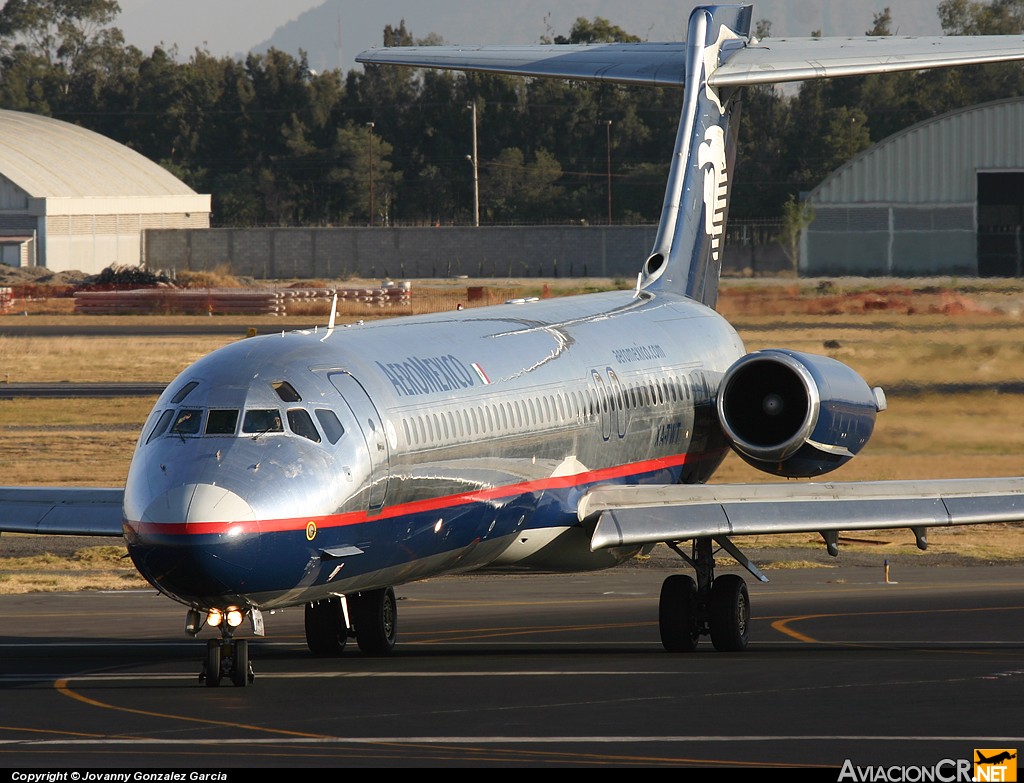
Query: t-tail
(718, 57)
(687, 254)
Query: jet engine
(796, 414)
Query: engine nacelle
(796, 414)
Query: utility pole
(476, 170)
(608, 135)
(369, 156)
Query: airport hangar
(943, 197)
(71, 199)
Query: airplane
(996, 759)
(320, 468)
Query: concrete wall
(338, 253)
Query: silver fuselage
(468, 437)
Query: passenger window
(221, 422)
(261, 421)
(187, 422)
(300, 423)
(161, 425)
(329, 421)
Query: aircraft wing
(647, 514)
(75, 511)
(742, 62)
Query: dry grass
(217, 278)
(889, 350)
(82, 358)
(91, 568)
(77, 442)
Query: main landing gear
(715, 606)
(370, 617)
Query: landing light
(235, 618)
(214, 618)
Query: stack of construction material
(384, 296)
(148, 301)
(5, 297)
(231, 301)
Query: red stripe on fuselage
(414, 507)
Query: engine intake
(796, 414)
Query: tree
(983, 82)
(363, 172)
(968, 17)
(63, 42)
(796, 216)
(513, 190)
(600, 30)
(60, 31)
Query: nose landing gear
(229, 658)
(225, 657)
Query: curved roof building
(945, 196)
(73, 199)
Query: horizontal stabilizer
(771, 60)
(72, 511)
(798, 59)
(629, 63)
(631, 515)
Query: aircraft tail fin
(718, 56)
(687, 253)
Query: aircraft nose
(197, 503)
(197, 542)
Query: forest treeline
(277, 143)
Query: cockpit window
(261, 421)
(187, 422)
(184, 391)
(221, 422)
(329, 421)
(161, 424)
(301, 424)
(286, 392)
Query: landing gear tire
(375, 616)
(212, 674)
(677, 614)
(729, 613)
(326, 632)
(241, 675)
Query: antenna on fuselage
(330, 322)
